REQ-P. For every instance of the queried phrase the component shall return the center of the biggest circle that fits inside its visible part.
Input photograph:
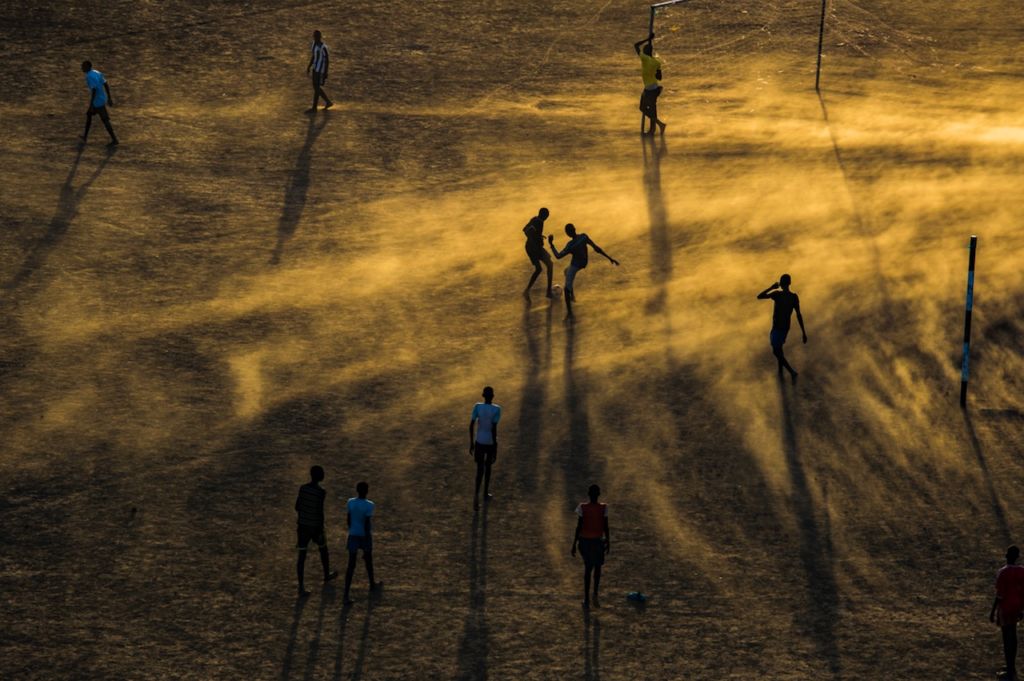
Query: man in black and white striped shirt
(319, 62)
(310, 507)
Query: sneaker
(376, 586)
(333, 575)
(303, 593)
(328, 105)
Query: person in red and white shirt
(593, 539)
(1008, 608)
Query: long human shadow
(533, 396)
(364, 638)
(815, 548)
(67, 209)
(661, 245)
(286, 667)
(326, 598)
(475, 644)
(997, 506)
(576, 465)
(297, 188)
(342, 627)
(591, 647)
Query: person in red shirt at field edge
(591, 526)
(1008, 608)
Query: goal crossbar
(658, 5)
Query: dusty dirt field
(240, 291)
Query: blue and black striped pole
(967, 324)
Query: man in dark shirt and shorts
(534, 231)
(786, 302)
(310, 507)
(577, 248)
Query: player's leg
(536, 273)
(597, 580)
(1010, 649)
(547, 264)
(492, 456)
(325, 557)
(587, 570)
(368, 561)
(105, 117)
(654, 111)
(315, 79)
(88, 124)
(480, 465)
(570, 278)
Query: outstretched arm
(637, 44)
(554, 251)
(800, 318)
(763, 295)
(598, 250)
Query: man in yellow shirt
(650, 70)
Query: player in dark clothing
(577, 248)
(1008, 608)
(310, 507)
(786, 302)
(534, 231)
(594, 540)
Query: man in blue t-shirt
(483, 444)
(99, 98)
(360, 510)
(577, 248)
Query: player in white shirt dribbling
(483, 444)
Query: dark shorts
(100, 111)
(318, 79)
(592, 552)
(311, 534)
(649, 98)
(537, 256)
(485, 453)
(778, 337)
(357, 543)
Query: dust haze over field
(240, 291)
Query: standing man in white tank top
(483, 445)
(319, 63)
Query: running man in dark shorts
(310, 507)
(360, 537)
(534, 231)
(650, 72)
(591, 526)
(99, 98)
(483, 445)
(1008, 608)
(786, 302)
(577, 248)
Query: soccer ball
(556, 291)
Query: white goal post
(658, 5)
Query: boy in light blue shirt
(99, 97)
(360, 511)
